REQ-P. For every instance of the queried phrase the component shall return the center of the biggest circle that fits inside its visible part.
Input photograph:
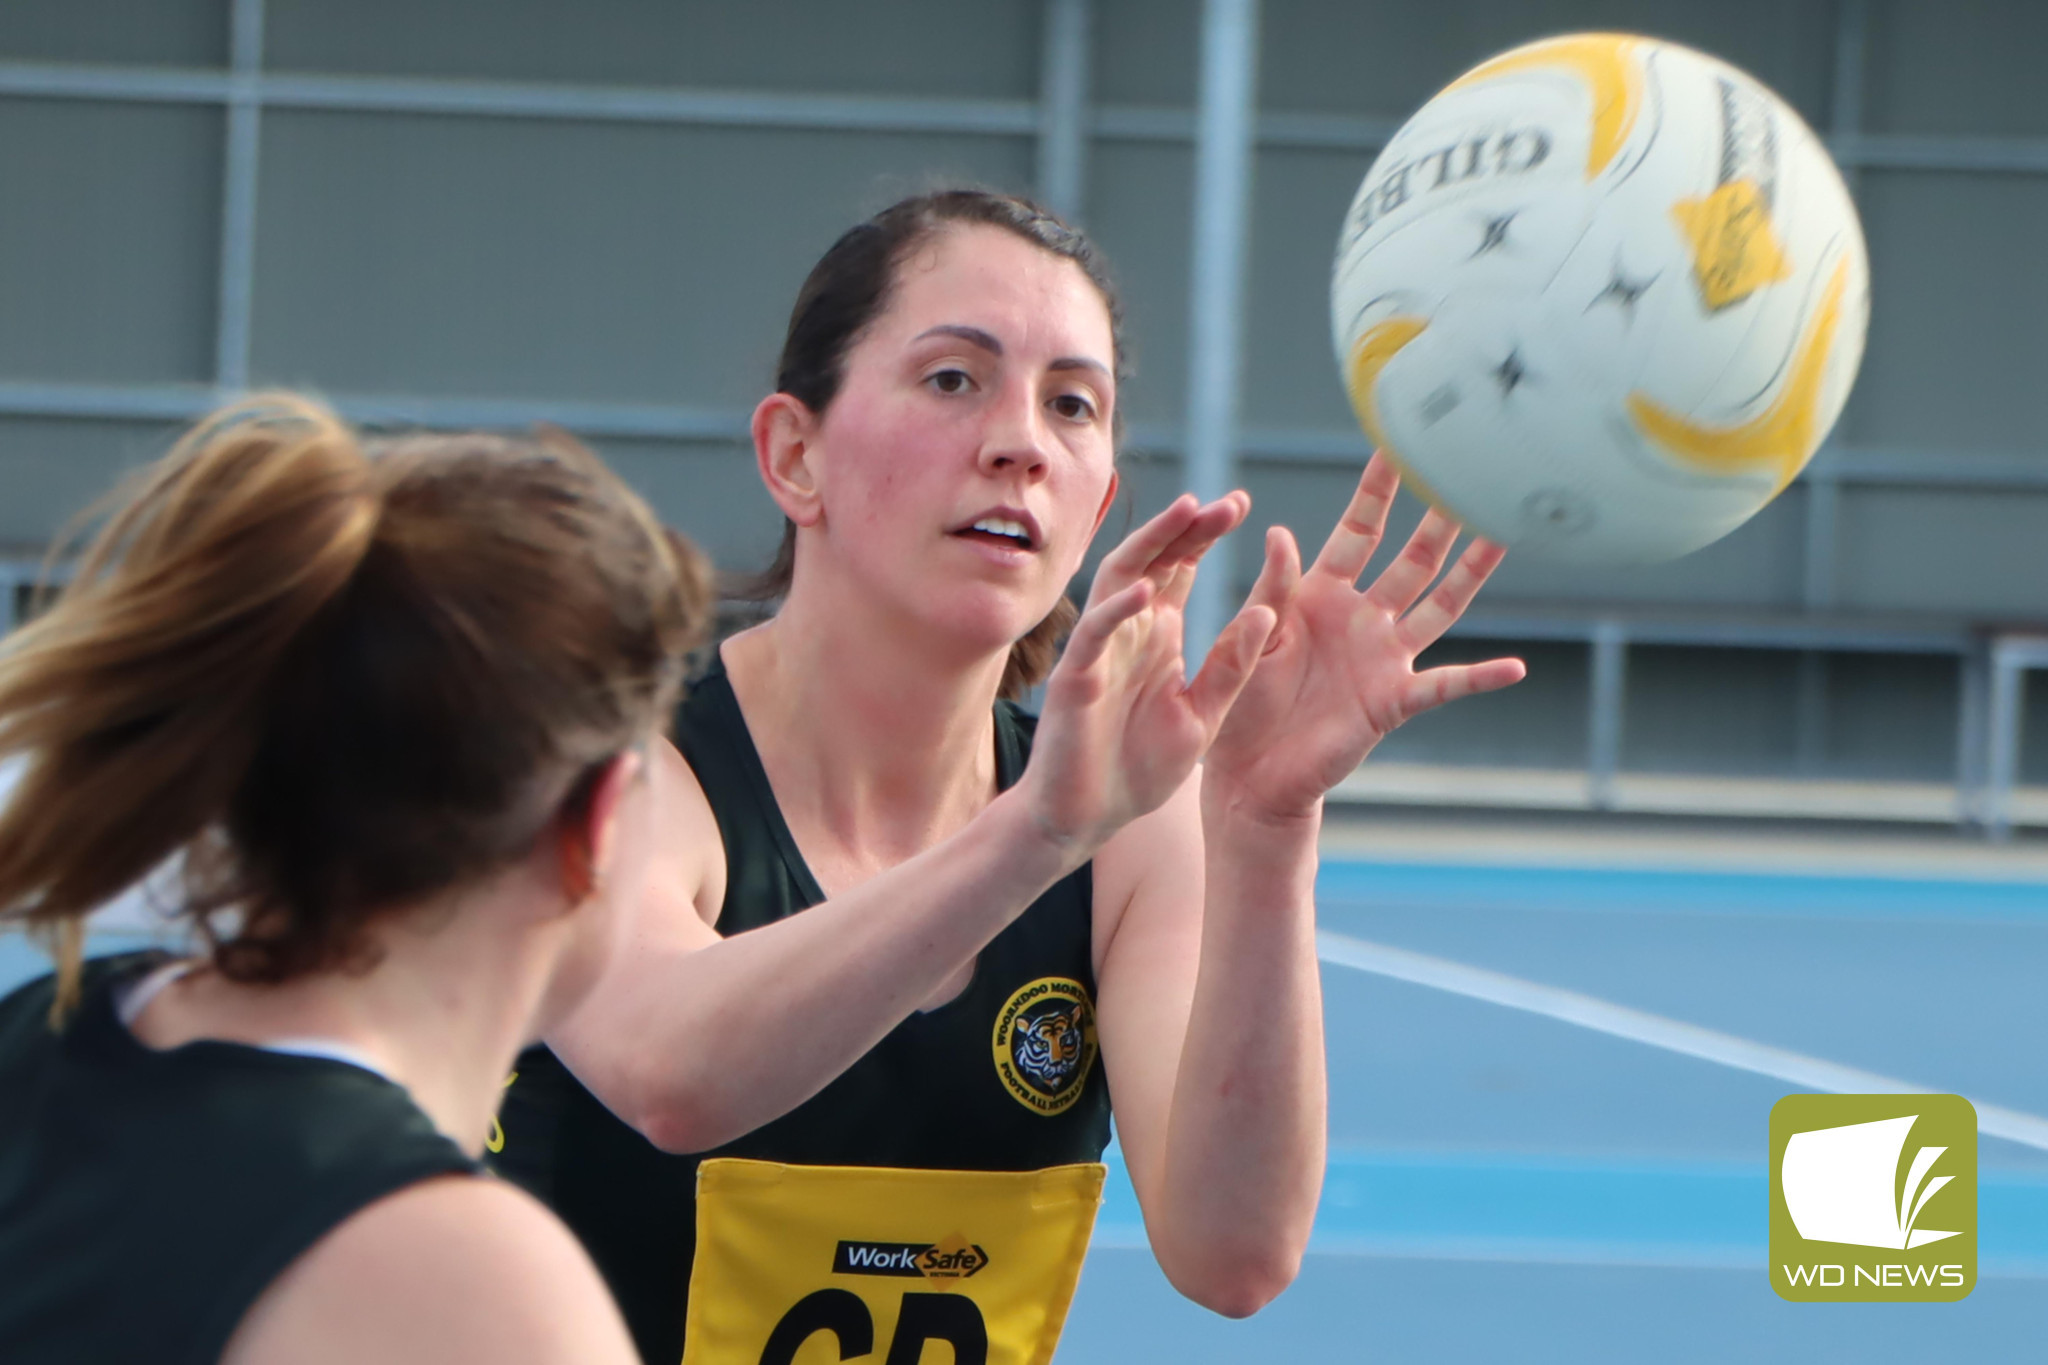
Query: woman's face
(967, 459)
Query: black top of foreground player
(941, 443)
(392, 707)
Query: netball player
(392, 707)
(941, 442)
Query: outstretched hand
(1122, 727)
(1339, 673)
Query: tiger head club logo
(1045, 1044)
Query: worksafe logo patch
(1873, 1198)
(954, 1258)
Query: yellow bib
(814, 1265)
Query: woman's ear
(588, 832)
(785, 449)
(1108, 497)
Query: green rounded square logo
(1873, 1198)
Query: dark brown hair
(335, 678)
(849, 288)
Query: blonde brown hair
(335, 677)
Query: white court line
(1603, 1016)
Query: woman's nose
(1015, 438)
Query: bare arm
(810, 994)
(1211, 1010)
(452, 1269)
(1212, 1035)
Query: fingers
(1426, 625)
(1183, 532)
(1129, 561)
(1091, 634)
(1364, 523)
(1432, 688)
(1210, 525)
(1280, 574)
(1229, 665)
(1418, 563)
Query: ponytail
(335, 678)
(131, 697)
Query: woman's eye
(949, 381)
(1073, 407)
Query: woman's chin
(979, 625)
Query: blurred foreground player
(391, 705)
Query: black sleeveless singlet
(930, 1095)
(148, 1198)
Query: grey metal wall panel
(1540, 722)
(150, 32)
(988, 49)
(1957, 348)
(1890, 716)
(1139, 196)
(1290, 371)
(2034, 737)
(51, 469)
(1960, 66)
(1979, 554)
(708, 491)
(1726, 711)
(1388, 56)
(1146, 51)
(566, 260)
(109, 216)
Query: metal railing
(1983, 747)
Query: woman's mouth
(1002, 528)
(1000, 531)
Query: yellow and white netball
(1601, 298)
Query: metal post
(1823, 508)
(1973, 734)
(1605, 711)
(1823, 488)
(1223, 172)
(2003, 751)
(238, 198)
(1063, 83)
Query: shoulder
(453, 1268)
(29, 1003)
(689, 853)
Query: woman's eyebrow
(973, 336)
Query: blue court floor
(1507, 1184)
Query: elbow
(672, 1130)
(673, 1117)
(1239, 1285)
